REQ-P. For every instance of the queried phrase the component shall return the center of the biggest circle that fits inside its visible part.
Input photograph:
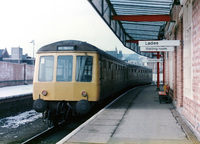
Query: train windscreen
(64, 68)
(46, 68)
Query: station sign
(153, 60)
(161, 43)
(152, 49)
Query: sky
(48, 21)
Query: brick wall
(178, 56)
(29, 72)
(192, 106)
(166, 68)
(15, 74)
(179, 75)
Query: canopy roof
(135, 20)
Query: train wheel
(63, 111)
(69, 113)
(49, 118)
(58, 108)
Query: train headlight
(84, 93)
(44, 93)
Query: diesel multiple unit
(71, 76)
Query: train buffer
(136, 117)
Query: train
(72, 76)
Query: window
(84, 68)
(116, 66)
(64, 68)
(188, 50)
(46, 68)
(104, 64)
(109, 65)
(135, 73)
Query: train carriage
(73, 75)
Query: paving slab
(147, 119)
(137, 118)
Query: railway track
(55, 134)
(39, 136)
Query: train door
(101, 76)
(125, 79)
(102, 66)
(112, 77)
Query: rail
(39, 136)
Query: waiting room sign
(162, 45)
(153, 49)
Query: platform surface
(15, 91)
(137, 117)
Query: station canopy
(135, 20)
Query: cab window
(64, 68)
(84, 68)
(46, 68)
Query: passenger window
(64, 68)
(104, 64)
(84, 68)
(46, 68)
(110, 64)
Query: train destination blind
(65, 48)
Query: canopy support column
(158, 73)
(163, 68)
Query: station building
(17, 69)
(134, 21)
(182, 66)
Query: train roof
(68, 45)
(74, 45)
(138, 66)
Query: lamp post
(33, 42)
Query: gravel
(16, 129)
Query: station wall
(15, 74)
(182, 67)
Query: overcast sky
(47, 21)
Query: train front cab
(66, 77)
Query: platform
(136, 117)
(15, 99)
(15, 91)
